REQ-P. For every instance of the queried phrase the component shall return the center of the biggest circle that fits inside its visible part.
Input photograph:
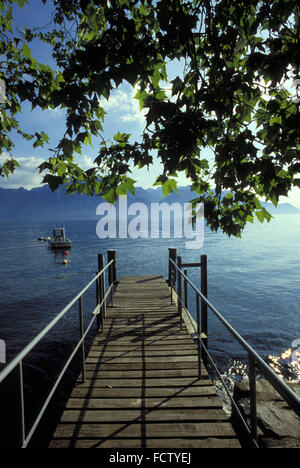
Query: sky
(123, 114)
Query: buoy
(65, 262)
(66, 253)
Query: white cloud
(122, 105)
(26, 176)
(84, 162)
(55, 113)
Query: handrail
(13, 364)
(17, 361)
(254, 359)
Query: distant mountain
(42, 203)
(282, 208)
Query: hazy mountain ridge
(42, 203)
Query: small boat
(59, 239)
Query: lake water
(254, 282)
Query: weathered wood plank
(144, 403)
(157, 338)
(143, 366)
(97, 381)
(158, 344)
(140, 336)
(145, 279)
(96, 351)
(154, 345)
(93, 369)
(141, 361)
(176, 443)
(143, 392)
(152, 415)
(192, 430)
(133, 320)
(142, 327)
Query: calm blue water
(254, 282)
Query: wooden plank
(133, 337)
(136, 328)
(155, 345)
(165, 338)
(147, 312)
(151, 416)
(139, 289)
(141, 318)
(143, 392)
(141, 278)
(97, 381)
(191, 430)
(187, 265)
(143, 366)
(138, 374)
(139, 344)
(172, 329)
(176, 443)
(143, 360)
(134, 319)
(136, 310)
(96, 351)
(150, 293)
(145, 403)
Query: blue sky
(123, 114)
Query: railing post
(172, 256)
(252, 394)
(112, 255)
(97, 300)
(81, 336)
(112, 272)
(185, 290)
(199, 336)
(179, 290)
(102, 286)
(204, 327)
(21, 402)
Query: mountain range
(42, 203)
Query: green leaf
(169, 186)
(127, 186)
(110, 196)
(53, 181)
(67, 146)
(297, 182)
(61, 168)
(21, 3)
(260, 216)
(87, 139)
(143, 98)
(26, 50)
(121, 137)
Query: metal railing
(176, 275)
(103, 297)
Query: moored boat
(59, 239)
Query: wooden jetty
(142, 387)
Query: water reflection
(287, 365)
